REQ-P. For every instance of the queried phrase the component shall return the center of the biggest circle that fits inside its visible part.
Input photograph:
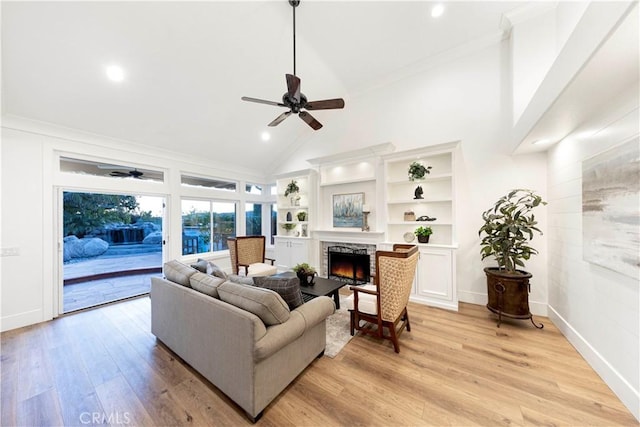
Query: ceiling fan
(293, 99)
(134, 174)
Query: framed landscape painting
(347, 210)
(611, 209)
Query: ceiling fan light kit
(295, 100)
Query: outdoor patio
(107, 289)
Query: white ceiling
(188, 63)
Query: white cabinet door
(291, 251)
(435, 278)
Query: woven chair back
(231, 242)
(395, 272)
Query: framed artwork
(347, 210)
(610, 209)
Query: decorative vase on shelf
(289, 217)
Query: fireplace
(348, 264)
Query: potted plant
(302, 216)
(288, 227)
(306, 274)
(508, 227)
(423, 234)
(292, 190)
(418, 171)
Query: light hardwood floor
(104, 366)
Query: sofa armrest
(302, 318)
(316, 310)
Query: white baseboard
(629, 396)
(21, 319)
(537, 308)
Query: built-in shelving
(435, 278)
(292, 246)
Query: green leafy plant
(304, 268)
(292, 188)
(508, 228)
(418, 171)
(423, 231)
(302, 216)
(288, 226)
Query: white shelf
(349, 181)
(417, 201)
(281, 208)
(430, 178)
(416, 223)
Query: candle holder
(365, 222)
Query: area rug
(337, 331)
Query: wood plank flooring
(104, 366)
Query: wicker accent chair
(247, 252)
(384, 303)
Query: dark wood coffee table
(321, 288)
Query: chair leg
(352, 321)
(406, 318)
(394, 337)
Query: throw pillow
(287, 287)
(178, 272)
(201, 265)
(243, 280)
(204, 266)
(214, 270)
(206, 284)
(264, 303)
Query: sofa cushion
(206, 284)
(264, 303)
(204, 266)
(367, 303)
(261, 269)
(287, 287)
(178, 272)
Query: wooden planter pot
(509, 294)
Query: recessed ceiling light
(265, 136)
(115, 73)
(437, 11)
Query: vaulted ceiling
(187, 64)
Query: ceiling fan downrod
(294, 4)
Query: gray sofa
(227, 343)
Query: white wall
(596, 308)
(31, 184)
(465, 99)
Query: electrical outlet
(10, 252)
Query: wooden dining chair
(384, 304)
(248, 253)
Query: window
(274, 222)
(109, 170)
(217, 184)
(253, 189)
(206, 225)
(253, 213)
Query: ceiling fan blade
(262, 101)
(308, 119)
(280, 118)
(326, 104)
(118, 173)
(293, 87)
